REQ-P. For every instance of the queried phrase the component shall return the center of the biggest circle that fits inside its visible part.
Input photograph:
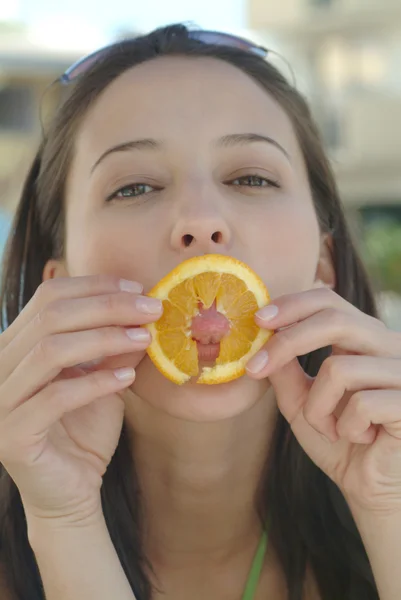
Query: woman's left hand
(347, 418)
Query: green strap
(256, 569)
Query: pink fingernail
(124, 374)
(149, 306)
(130, 286)
(267, 312)
(258, 362)
(139, 334)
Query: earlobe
(54, 268)
(325, 273)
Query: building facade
(345, 54)
(26, 71)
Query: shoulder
(5, 592)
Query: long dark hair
(310, 524)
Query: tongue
(210, 326)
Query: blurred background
(345, 55)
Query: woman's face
(212, 165)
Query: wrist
(374, 526)
(77, 559)
(40, 529)
(381, 536)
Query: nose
(200, 228)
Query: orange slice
(237, 293)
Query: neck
(200, 482)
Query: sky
(95, 21)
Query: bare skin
(202, 443)
(199, 450)
(201, 182)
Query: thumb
(291, 386)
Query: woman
(169, 146)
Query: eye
(253, 181)
(132, 190)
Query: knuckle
(108, 303)
(49, 316)
(47, 350)
(63, 394)
(98, 383)
(106, 336)
(106, 282)
(283, 340)
(40, 320)
(357, 404)
(46, 291)
(57, 394)
(328, 295)
(338, 319)
(332, 368)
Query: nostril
(217, 237)
(187, 239)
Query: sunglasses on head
(207, 37)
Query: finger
(292, 385)
(368, 409)
(292, 308)
(66, 287)
(78, 314)
(28, 422)
(57, 352)
(341, 374)
(329, 327)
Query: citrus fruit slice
(207, 329)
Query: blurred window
(321, 2)
(17, 108)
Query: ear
(53, 269)
(325, 273)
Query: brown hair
(310, 523)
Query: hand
(59, 423)
(347, 418)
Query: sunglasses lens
(82, 66)
(225, 39)
(207, 37)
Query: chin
(196, 402)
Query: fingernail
(130, 286)
(267, 312)
(124, 374)
(258, 362)
(150, 306)
(138, 334)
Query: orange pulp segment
(202, 281)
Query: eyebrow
(238, 139)
(143, 144)
(227, 141)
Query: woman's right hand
(59, 423)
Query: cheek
(288, 248)
(114, 243)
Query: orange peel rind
(238, 293)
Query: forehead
(182, 97)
